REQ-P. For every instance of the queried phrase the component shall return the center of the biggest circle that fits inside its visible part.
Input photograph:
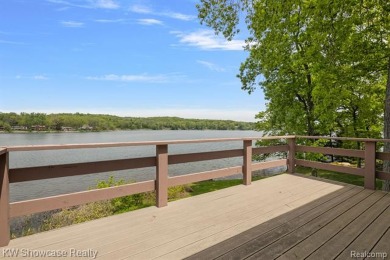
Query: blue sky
(127, 58)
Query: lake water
(43, 188)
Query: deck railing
(161, 161)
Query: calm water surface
(43, 188)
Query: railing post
(4, 200)
(369, 165)
(247, 162)
(162, 175)
(291, 155)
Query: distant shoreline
(53, 123)
(117, 130)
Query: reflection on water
(43, 188)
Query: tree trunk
(386, 132)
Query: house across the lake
(67, 128)
(86, 128)
(38, 128)
(19, 128)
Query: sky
(125, 58)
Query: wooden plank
(186, 246)
(337, 244)
(369, 165)
(196, 157)
(4, 200)
(270, 149)
(195, 177)
(383, 175)
(162, 175)
(125, 144)
(329, 150)
(65, 170)
(236, 241)
(314, 241)
(270, 164)
(247, 162)
(207, 223)
(343, 138)
(68, 200)
(291, 156)
(383, 156)
(330, 167)
(383, 246)
(370, 236)
(275, 247)
(157, 223)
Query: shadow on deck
(286, 216)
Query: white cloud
(179, 16)
(210, 65)
(207, 40)
(105, 4)
(161, 78)
(109, 20)
(12, 42)
(72, 24)
(149, 22)
(40, 77)
(102, 4)
(141, 9)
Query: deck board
(311, 243)
(286, 215)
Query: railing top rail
(3, 150)
(124, 144)
(344, 138)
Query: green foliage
(78, 214)
(322, 64)
(55, 122)
(267, 143)
(313, 156)
(118, 204)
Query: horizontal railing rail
(330, 150)
(161, 162)
(369, 155)
(25, 148)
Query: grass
(211, 185)
(336, 176)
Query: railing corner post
(4, 200)
(369, 165)
(291, 155)
(161, 175)
(247, 162)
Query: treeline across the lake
(10, 122)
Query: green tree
(322, 64)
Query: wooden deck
(285, 216)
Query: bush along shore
(45, 221)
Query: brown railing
(161, 161)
